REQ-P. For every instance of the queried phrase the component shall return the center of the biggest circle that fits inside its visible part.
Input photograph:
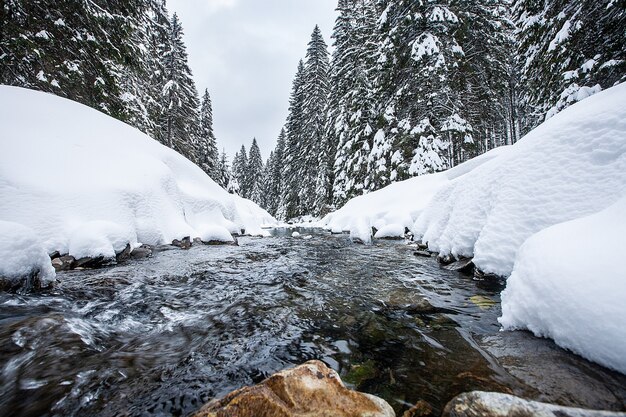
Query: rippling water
(162, 336)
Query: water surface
(162, 336)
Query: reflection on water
(160, 337)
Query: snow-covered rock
(568, 285)
(88, 185)
(21, 255)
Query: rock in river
(311, 390)
(493, 404)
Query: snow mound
(396, 206)
(88, 184)
(567, 285)
(21, 254)
(571, 166)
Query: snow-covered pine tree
(292, 163)
(568, 50)
(351, 103)
(273, 181)
(74, 49)
(315, 93)
(180, 119)
(208, 147)
(254, 173)
(223, 171)
(238, 181)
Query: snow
(396, 206)
(566, 285)
(87, 184)
(571, 166)
(561, 36)
(21, 254)
(295, 234)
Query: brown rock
(63, 263)
(421, 409)
(308, 390)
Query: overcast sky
(246, 53)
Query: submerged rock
(423, 253)
(311, 390)
(492, 404)
(462, 265)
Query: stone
(55, 254)
(308, 390)
(423, 253)
(63, 263)
(95, 262)
(420, 409)
(495, 404)
(142, 252)
(184, 243)
(462, 265)
(445, 259)
(124, 255)
(422, 245)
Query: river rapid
(164, 335)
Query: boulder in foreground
(311, 390)
(493, 404)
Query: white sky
(246, 53)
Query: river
(162, 336)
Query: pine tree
(76, 49)
(351, 105)
(208, 147)
(180, 97)
(254, 173)
(238, 182)
(313, 148)
(273, 176)
(292, 164)
(223, 171)
(568, 50)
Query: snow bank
(21, 254)
(396, 206)
(568, 285)
(571, 166)
(88, 184)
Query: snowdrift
(86, 184)
(397, 206)
(548, 211)
(567, 285)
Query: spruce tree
(254, 173)
(223, 171)
(239, 180)
(292, 163)
(313, 147)
(180, 98)
(567, 51)
(208, 147)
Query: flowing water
(161, 336)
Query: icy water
(161, 336)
